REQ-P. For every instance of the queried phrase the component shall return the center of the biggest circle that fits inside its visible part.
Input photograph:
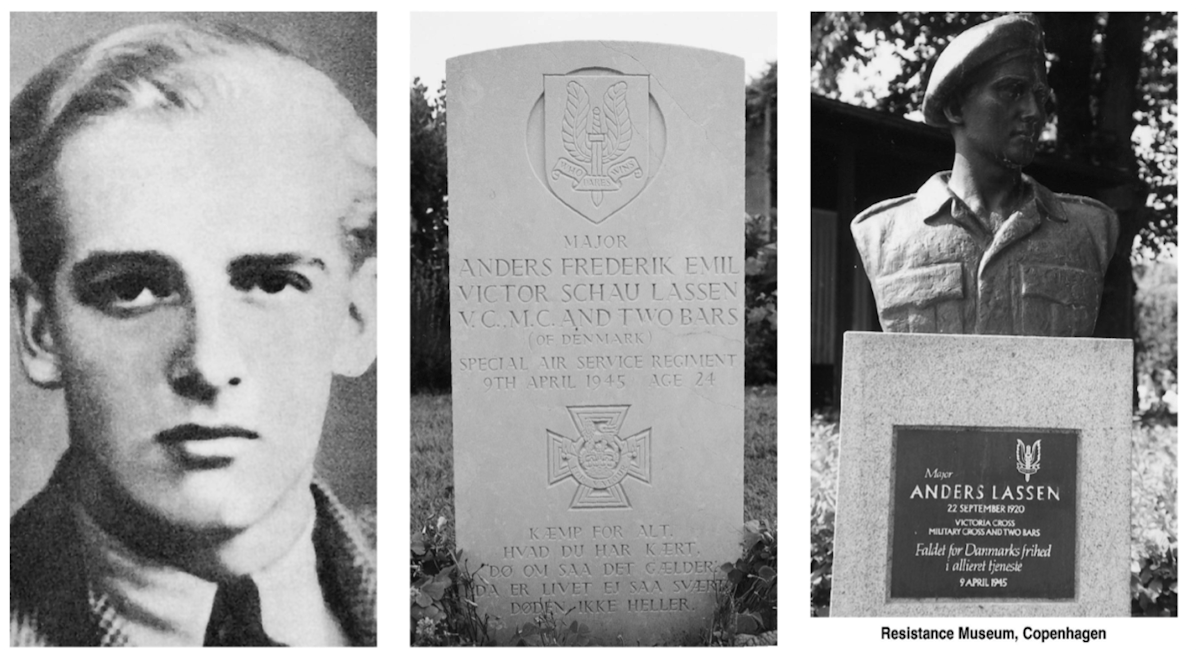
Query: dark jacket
(52, 604)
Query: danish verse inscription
(598, 569)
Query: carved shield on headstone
(597, 140)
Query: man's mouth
(190, 432)
(203, 446)
(1026, 132)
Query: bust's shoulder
(1093, 218)
(877, 227)
(1086, 208)
(880, 213)
(1080, 211)
(1096, 218)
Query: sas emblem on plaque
(599, 459)
(597, 140)
(1029, 458)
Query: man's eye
(271, 282)
(128, 293)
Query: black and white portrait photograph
(194, 313)
(994, 346)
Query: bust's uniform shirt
(935, 267)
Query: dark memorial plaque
(984, 513)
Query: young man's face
(1004, 112)
(199, 310)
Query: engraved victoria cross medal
(597, 140)
(599, 459)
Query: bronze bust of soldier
(983, 248)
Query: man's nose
(210, 360)
(1033, 109)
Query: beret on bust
(983, 44)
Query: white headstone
(597, 284)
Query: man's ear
(952, 110)
(39, 353)
(356, 351)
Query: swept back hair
(163, 68)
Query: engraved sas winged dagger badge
(597, 141)
(1029, 458)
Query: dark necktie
(236, 619)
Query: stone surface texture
(596, 200)
(983, 381)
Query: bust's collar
(935, 194)
(1048, 202)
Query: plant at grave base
(823, 458)
(750, 605)
(1154, 582)
(1154, 568)
(442, 594)
(821, 564)
(549, 631)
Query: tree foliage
(1156, 116)
(427, 173)
(1114, 76)
(429, 298)
(1157, 339)
(761, 110)
(761, 94)
(762, 277)
(850, 40)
